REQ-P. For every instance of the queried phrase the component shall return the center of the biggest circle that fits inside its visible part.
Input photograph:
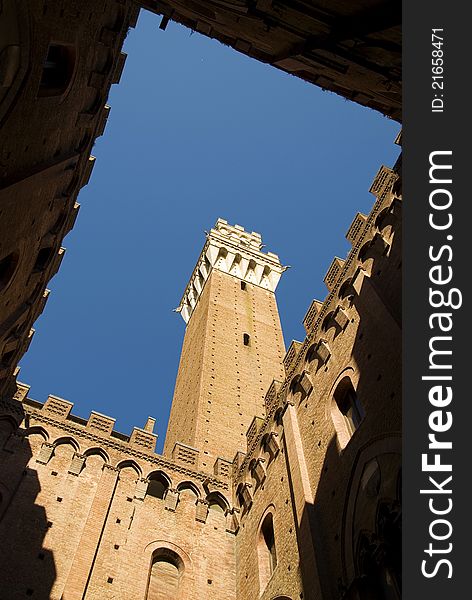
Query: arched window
(240, 497)
(157, 486)
(57, 70)
(347, 291)
(188, 494)
(267, 555)
(217, 507)
(165, 575)
(347, 411)
(7, 269)
(43, 259)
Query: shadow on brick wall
(27, 566)
(356, 516)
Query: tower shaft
(233, 345)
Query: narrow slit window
(243, 285)
(246, 339)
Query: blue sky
(196, 131)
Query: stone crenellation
(230, 249)
(297, 351)
(57, 413)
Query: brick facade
(280, 478)
(58, 63)
(310, 505)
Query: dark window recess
(61, 219)
(349, 406)
(7, 358)
(7, 269)
(243, 285)
(43, 259)
(110, 580)
(246, 339)
(157, 488)
(57, 70)
(266, 551)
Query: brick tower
(233, 346)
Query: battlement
(100, 428)
(305, 363)
(232, 250)
(98, 424)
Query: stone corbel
(141, 489)
(77, 464)
(323, 352)
(171, 500)
(341, 318)
(45, 453)
(232, 521)
(247, 494)
(273, 443)
(380, 245)
(109, 467)
(259, 471)
(358, 279)
(305, 383)
(201, 511)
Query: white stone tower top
(232, 250)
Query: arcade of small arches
(155, 484)
(343, 406)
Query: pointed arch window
(347, 411)
(157, 486)
(266, 550)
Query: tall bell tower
(233, 345)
